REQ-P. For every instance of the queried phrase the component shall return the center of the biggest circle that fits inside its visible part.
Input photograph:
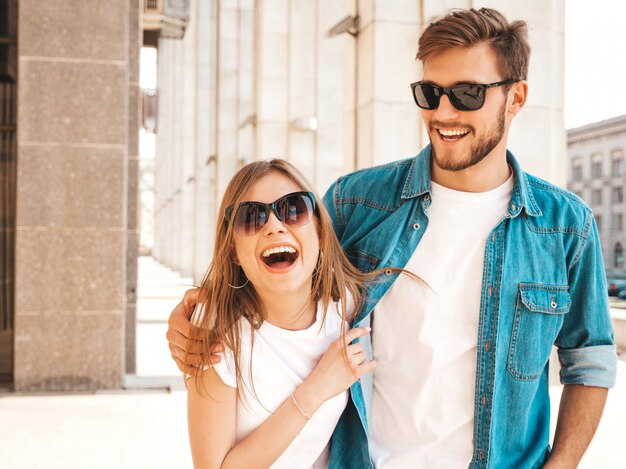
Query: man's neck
(491, 172)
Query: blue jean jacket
(543, 285)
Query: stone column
(72, 221)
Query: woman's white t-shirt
(279, 361)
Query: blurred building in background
(597, 174)
(322, 83)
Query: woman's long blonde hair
(222, 306)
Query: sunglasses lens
(426, 96)
(295, 209)
(250, 218)
(467, 97)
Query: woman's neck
(290, 311)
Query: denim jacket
(543, 285)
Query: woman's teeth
(269, 252)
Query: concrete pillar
(72, 216)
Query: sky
(595, 60)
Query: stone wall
(76, 165)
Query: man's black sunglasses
(464, 97)
(293, 209)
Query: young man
(512, 263)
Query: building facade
(323, 84)
(597, 174)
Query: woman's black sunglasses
(293, 209)
(464, 97)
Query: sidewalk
(147, 428)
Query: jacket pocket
(539, 314)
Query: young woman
(281, 293)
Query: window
(617, 195)
(616, 222)
(618, 256)
(598, 221)
(617, 167)
(577, 169)
(596, 169)
(596, 197)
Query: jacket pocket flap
(549, 299)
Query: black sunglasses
(293, 209)
(464, 97)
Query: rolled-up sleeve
(586, 346)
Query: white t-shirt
(279, 361)
(425, 335)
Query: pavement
(145, 426)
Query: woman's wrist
(308, 398)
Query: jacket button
(416, 226)
(513, 207)
(427, 197)
(388, 272)
(553, 304)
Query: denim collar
(418, 183)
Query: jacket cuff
(591, 366)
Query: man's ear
(517, 96)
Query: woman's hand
(333, 374)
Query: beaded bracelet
(293, 398)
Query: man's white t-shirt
(424, 337)
(279, 361)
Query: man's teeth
(269, 252)
(452, 133)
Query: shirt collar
(418, 183)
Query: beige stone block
(434, 9)
(271, 140)
(534, 124)
(399, 11)
(396, 131)
(130, 332)
(273, 55)
(72, 102)
(365, 136)
(69, 352)
(302, 99)
(395, 71)
(303, 17)
(81, 271)
(229, 23)
(132, 199)
(77, 187)
(272, 99)
(135, 41)
(367, 12)
(538, 14)
(303, 52)
(87, 29)
(135, 95)
(273, 16)
(302, 151)
(546, 70)
(365, 66)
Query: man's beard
(478, 151)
